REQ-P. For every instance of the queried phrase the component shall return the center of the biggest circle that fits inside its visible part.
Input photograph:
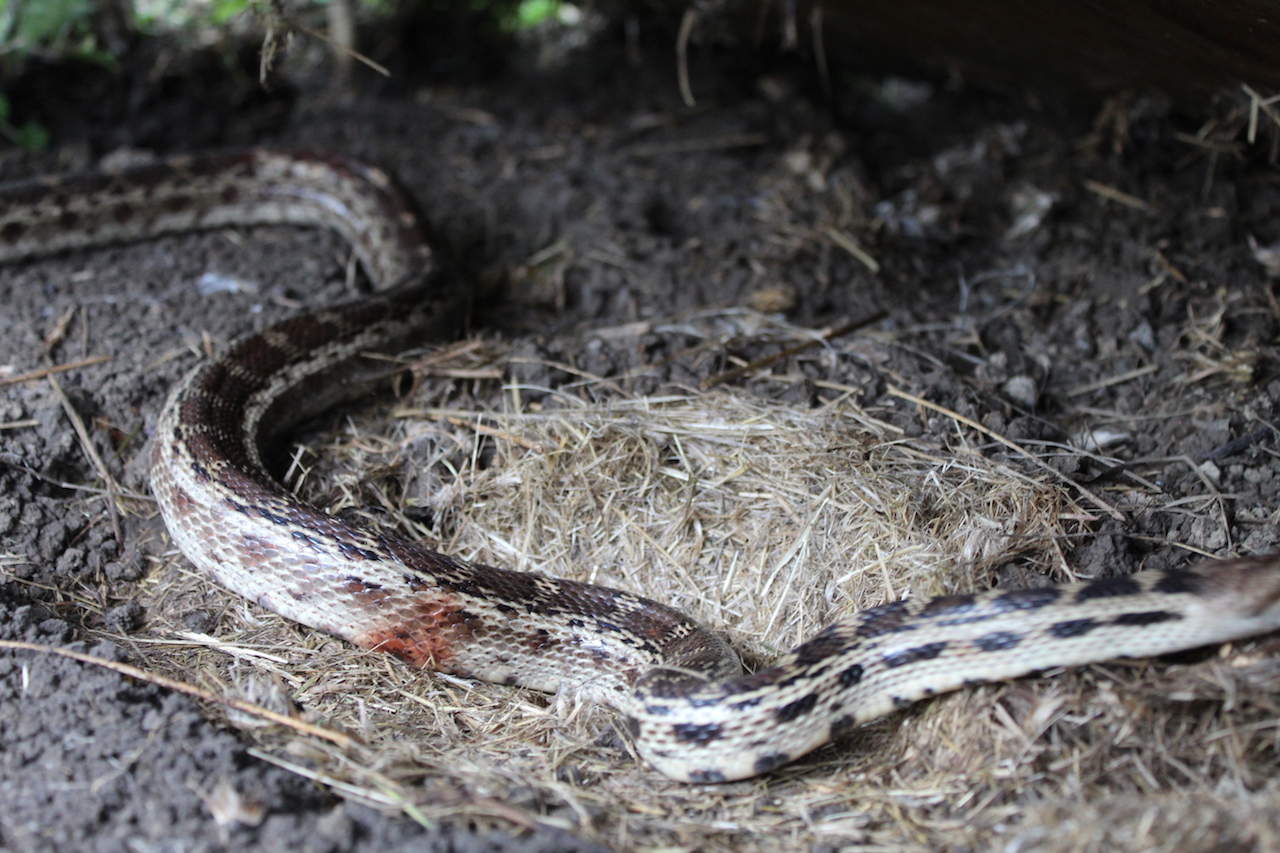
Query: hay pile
(763, 520)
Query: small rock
(123, 619)
(1144, 337)
(1098, 438)
(1028, 207)
(1021, 390)
(1268, 256)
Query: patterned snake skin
(691, 713)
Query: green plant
(29, 136)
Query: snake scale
(678, 686)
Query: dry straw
(766, 521)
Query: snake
(678, 687)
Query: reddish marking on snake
(427, 635)
(369, 595)
(182, 500)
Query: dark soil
(1146, 317)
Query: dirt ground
(1077, 279)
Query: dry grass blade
(1112, 194)
(57, 368)
(86, 444)
(300, 726)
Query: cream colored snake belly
(691, 713)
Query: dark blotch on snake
(539, 640)
(300, 536)
(1108, 588)
(803, 675)
(1072, 628)
(273, 517)
(355, 551)
(945, 605)
(1027, 599)
(825, 644)
(1175, 582)
(698, 734)
(841, 726)
(928, 651)
(798, 708)
(997, 641)
(239, 507)
(773, 760)
(886, 619)
(851, 676)
(1149, 617)
(967, 620)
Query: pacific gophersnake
(692, 717)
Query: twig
(496, 433)
(57, 368)
(90, 451)
(682, 56)
(269, 49)
(1231, 448)
(1256, 103)
(389, 792)
(1216, 496)
(844, 241)
(342, 48)
(702, 143)
(1107, 382)
(342, 740)
(15, 462)
(820, 50)
(1116, 195)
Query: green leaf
(45, 20)
(530, 13)
(225, 10)
(33, 137)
